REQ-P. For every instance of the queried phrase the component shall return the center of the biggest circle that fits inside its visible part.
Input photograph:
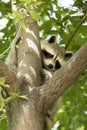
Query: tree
(28, 99)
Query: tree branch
(10, 76)
(75, 31)
(64, 77)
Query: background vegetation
(69, 24)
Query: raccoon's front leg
(47, 74)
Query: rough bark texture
(29, 114)
(10, 76)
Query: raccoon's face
(53, 56)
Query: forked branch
(64, 77)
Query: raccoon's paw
(46, 74)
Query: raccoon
(53, 57)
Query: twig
(74, 32)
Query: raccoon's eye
(57, 65)
(47, 54)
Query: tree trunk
(27, 114)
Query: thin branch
(14, 41)
(75, 31)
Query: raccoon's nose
(50, 66)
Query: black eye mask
(57, 65)
(47, 54)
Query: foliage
(73, 108)
(3, 116)
(7, 28)
(2, 83)
(62, 22)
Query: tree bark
(10, 77)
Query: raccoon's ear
(52, 39)
(68, 55)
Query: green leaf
(2, 80)
(23, 97)
(13, 96)
(2, 83)
(22, 24)
(18, 16)
(34, 15)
